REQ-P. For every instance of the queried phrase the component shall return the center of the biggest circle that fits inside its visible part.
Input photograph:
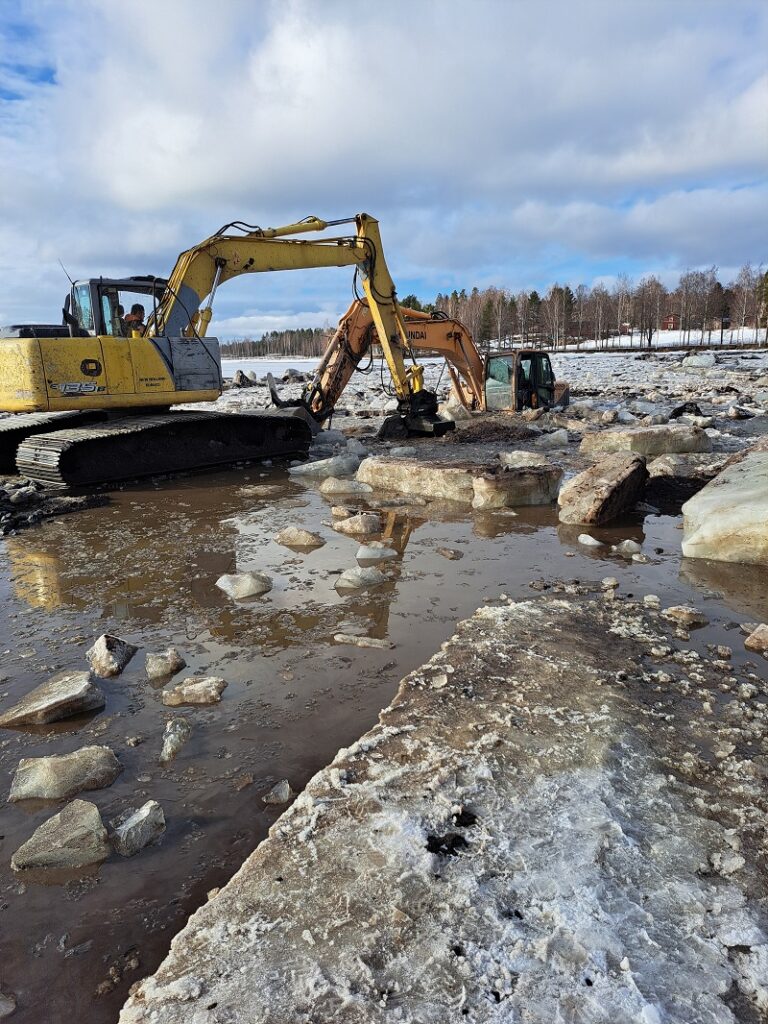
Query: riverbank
(560, 816)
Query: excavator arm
(200, 271)
(356, 334)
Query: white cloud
(496, 141)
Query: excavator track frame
(141, 446)
(17, 428)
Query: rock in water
(337, 466)
(758, 639)
(294, 537)
(627, 548)
(359, 579)
(135, 829)
(555, 439)
(195, 690)
(726, 520)
(515, 460)
(686, 615)
(589, 542)
(509, 486)
(364, 524)
(73, 838)
(335, 485)
(409, 477)
(699, 361)
(61, 776)
(7, 1005)
(375, 551)
(167, 663)
(68, 693)
(109, 655)
(280, 793)
(242, 585)
(604, 491)
(177, 732)
(648, 440)
(363, 641)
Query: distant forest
(700, 306)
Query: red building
(671, 322)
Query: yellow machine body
(102, 372)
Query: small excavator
(507, 380)
(94, 393)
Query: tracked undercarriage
(85, 451)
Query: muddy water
(145, 568)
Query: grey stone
(359, 579)
(604, 491)
(510, 487)
(335, 485)
(758, 639)
(685, 615)
(295, 537)
(242, 585)
(555, 439)
(195, 690)
(177, 732)
(589, 542)
(336, 466)
(109, 655)
(73, 838)
(362, 641)
(62, 775)
(280, 793)
(375, 551)
(135, 829)
(515, 460)
(66, 694)
(648, 440)
(7, 1005)
(363, 524)
(699, 361)
(167, 663)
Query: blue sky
(512, 143)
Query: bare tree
(599, 301)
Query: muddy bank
(560, 816)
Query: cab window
(81, 295)
(498, 384)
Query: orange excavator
(503, 380)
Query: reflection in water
(743, 587)
(154, 563)
(568, 534)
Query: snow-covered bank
(534, 831)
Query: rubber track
(17, 428)
(150, 445)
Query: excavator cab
(93, 307)
(520, 379)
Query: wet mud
(145, 567)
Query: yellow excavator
(94, 393)
(503, 380)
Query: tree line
(700, 307)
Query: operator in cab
(134, 321)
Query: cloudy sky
(507, 142)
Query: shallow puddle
(145, 568)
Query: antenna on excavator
(66, 272)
